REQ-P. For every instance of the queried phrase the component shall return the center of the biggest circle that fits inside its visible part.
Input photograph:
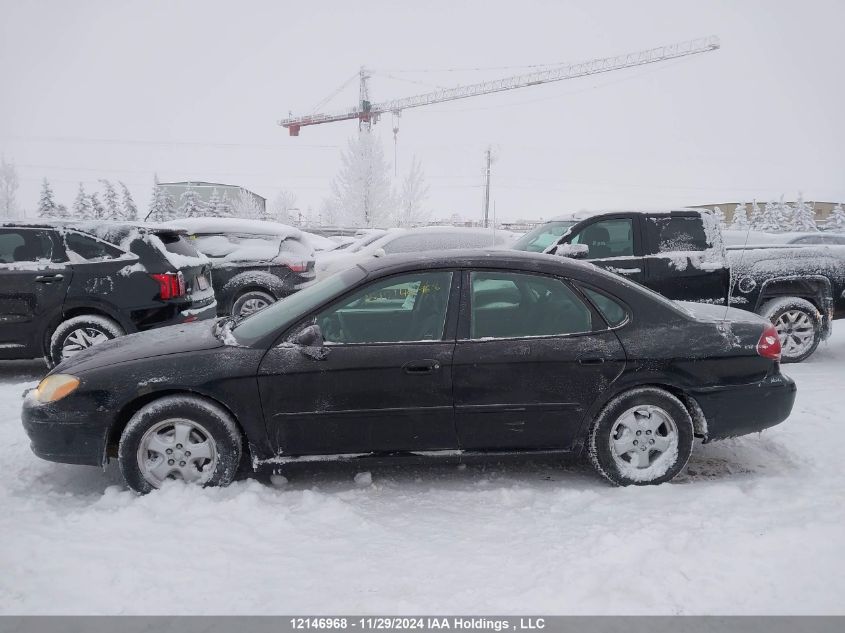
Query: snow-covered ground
(754, 525)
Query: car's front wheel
(251, 302)
(180, 437)
(643, 436)
(79, 333)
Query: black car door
(386, 382)
(33, 283)
(614, 244)
(680, 263)
(532, 355)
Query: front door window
(608, 238)
(405, 308)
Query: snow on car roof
(583, 214)
(236, 225)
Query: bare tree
(281, 206)
(361, 192)
(8, 189)
(414, 194)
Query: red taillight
(298, 267)
(170, 285)
(769, 344)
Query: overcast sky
(193, 90)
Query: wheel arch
(74, 311)
(690, 404)
(134, 405)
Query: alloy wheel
(177, 449)
(251, 306)
(642, 440)
(81, 339)
(796, 332)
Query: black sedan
(454, 355)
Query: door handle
(420, 367)
(48, 279)
(591, 361)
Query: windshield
(543, 236)
(285, 312)
(365, 241)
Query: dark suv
(68, 286)
(255, 262)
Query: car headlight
(55, 387)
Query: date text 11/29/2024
(454, 623)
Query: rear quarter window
(91, 249)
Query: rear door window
(672, 234)
(26, 246)
(517, 305)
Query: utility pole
(489, 156)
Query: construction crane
(368, 113)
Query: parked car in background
(453, 355)
(67, 286)
(680, 254)
(734, 237)
(394, 241)
(255, 262)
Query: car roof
(584, 214)
(236, 225)
(90, 226)
(483, 258)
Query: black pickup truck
(681, 255)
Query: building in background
(821, 209)
(206, 189)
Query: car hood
(175, 339)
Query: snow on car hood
(175, 339)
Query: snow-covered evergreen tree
(755, 219)
(162, 205)
(190, 204)
(414, 194)
(281, 206)
(719, 216)
(46, 205)
(81, 209)
(62, 212)
(246, 206)
(770, 218)
(361, 190)
(740, 219)
(98, 211)
(128, 208)
(225, 208)
(8, 189)
(784, 215)
(803, 216)
(836, 220)
(110, 201)
(213, 204)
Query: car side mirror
(379, 252)
(575, 251)
(311, 343)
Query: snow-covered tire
(250, 302)
(248, 281)
(203, 441)
(799, 325)
(643, 421)
(79, 333)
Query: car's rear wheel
(179, 437)
(641, 437)
(80, 333)
(251, 302)
(799, 326)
